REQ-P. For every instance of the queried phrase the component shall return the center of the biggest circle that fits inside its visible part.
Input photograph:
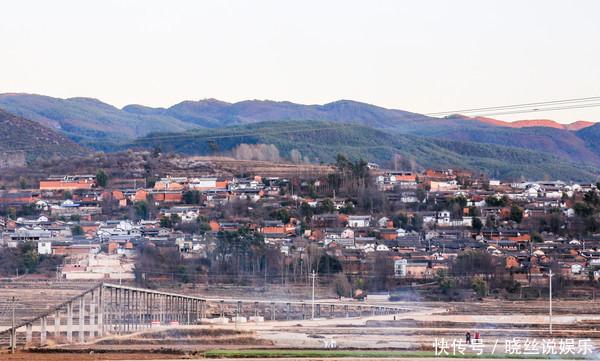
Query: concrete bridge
(115, 309)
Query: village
(370, 230)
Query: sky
(420, 56)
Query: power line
(552, 102)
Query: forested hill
(24, 140)
(87, 120)
(322, 141)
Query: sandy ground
(26, 356)
(123, 357)
(416, 329)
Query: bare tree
(295, 156)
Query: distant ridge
(536, 123)
(88, 120)
(322, 141)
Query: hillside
(561, 142)
(212, 113)
(322, 141)
(85, 119)
(591, 137)
(93, 122)
(535, 123)
(24, 140)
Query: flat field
(507, 330)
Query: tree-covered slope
(24, 139)
(85, 119)
(322, 141)
(93, 122)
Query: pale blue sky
(421, 56)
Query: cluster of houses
(361, 242)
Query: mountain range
(322, 141)
(98, 125)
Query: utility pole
(13, 334)
(550, 304)
(313, 275)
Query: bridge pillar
(203, 309)
(239, 308)
(126, 310)
(273, 311)
(359, 311)
(166, 310)
(173, 308)
(57, 325)
(137, 311)
(198, 310)
(70, 322)
(194, 310)
(303, 311)
(222, 308)
(169, 308)
(149, 310)
(100, 312)
(81, 318)
(332, 313)
(188, 308)
(161, 309)
(92, 332)
(346, 311)
(43, 331)
(288, 306)
(176, 313)
(318, 310)
(152, 313)
(255, 308)
(156, 307)
(140, 310)
(144, 310)
(181, 309)
(121, 309)
(109, 309)
(28, 333)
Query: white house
(44, 247)
(359, 221)
(400, 268)
(203, 183)
(443, 218)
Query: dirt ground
(31, 356)
(416, 329)
(165, 357)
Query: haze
(421, 56)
